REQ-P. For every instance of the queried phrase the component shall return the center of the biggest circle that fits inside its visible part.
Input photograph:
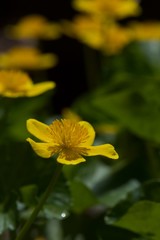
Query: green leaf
(133, 105)
(82, 197)
(111, 198)
(20, 166)
(116, 233)
(151, 190)
(59, 202)
(132, 60)
(29, 193)
(20, 111)
(143, 218)
(128, 94)
(93, 173)
(7, 221)
(57, 206)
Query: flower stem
(39, 206)
(92, 67)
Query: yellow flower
(106, 128)
(32, 27)
(116, 38)
(109, 8)
(69, 139)
(18, 84)
(109, 37)
(146, 30)
(87, 29)
(70, 114)
(27, 58)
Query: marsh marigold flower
(97, 24)
(70, 114)
(28, 58)
(116, 38)
(18, 84)
(87, 29)
(69, 139)
(34, 27)
(110, 37)
(108, 8)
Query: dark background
(12, 10)
(70, 72)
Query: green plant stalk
(92, 67)
(39, 206)
(154, 166)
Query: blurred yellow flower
(110, 37)
(146, 30)
(33, 27)
(98, 25)
(69, 139)
(116, 38)
(106, 128)
(27, 58)
(87, 29)
(70, 114)
(18, 84)
(108, 8)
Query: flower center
(68, 133)
(72, 153)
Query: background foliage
(100, 199)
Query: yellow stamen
(68, 133)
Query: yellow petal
(91, 133)
(12, 94)
(84, 5)
(128, 8)
(44, 150)
(106, 150)
(63, 160)
(39, 130)
(40, 88)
